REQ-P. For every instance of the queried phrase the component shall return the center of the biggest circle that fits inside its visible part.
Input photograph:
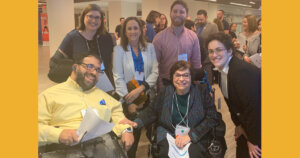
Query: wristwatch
(129, 130)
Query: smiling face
(218, 54)
(178, 15)
(182, 81)
(85, 78)
(92, 20)
(245, 24)
(133, 31)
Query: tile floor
(142, 152)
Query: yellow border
(280, 81)
(19, 78)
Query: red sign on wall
(45, 30)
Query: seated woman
(185, 106)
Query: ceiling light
(213, 0)
(252, 2)
(239, 4)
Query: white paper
(256, 60)
(102, 66)
(174, 151)
(92, 126)
(104, 83)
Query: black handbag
(60, 67)
(217, 145)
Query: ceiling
(256, 4)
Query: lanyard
(187, 110)
(89, 49)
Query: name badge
(182, 57)
(102, 66)
(139, 76)
(181, 130)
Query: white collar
(226, 67)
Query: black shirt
(225, 24)
(118, 30)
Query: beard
(176, 22)
(85, 85)
(200, 24)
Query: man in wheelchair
(60, 114)
(186, 112)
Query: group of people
(150, 57)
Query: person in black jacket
(90, 37)
(240, 83)
(186, 112)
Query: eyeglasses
(129, 28)
(185, 76)
(217, 50)
(91, 67)
(90, 17)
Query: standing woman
(133, 60)
(249, 38)
(90, 37)
(163, 23)
(153, 20)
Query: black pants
(195, 150)
(242, 148)
(131, 153)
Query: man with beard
(220, 16)
(61, 112)
(176, 43)
(204, 29)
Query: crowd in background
(152, 66)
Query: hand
(236, 44)
(132, 108)
(127, 140)
(130, 97)
(239, 131)
(254, 150)
(247, 59)
(128, 122)
(68, 136)
(140, 106)
(181, 141)
(245, 48)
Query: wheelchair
(200, 76)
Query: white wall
(61, 21)
(128, 9)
